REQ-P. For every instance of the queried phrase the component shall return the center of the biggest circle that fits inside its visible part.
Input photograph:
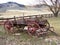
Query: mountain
(11, 5)
(14, 5)
(38, 7)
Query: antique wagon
(31, 24)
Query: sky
(25, 2)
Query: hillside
(10, 5)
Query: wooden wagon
(31, 24)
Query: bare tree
(55, 7)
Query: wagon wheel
(33, 32)
(44, 30)
(8, 25)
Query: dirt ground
(17, 40)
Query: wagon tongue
(54, 33)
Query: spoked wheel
(32, 27)
(8, 25)
(43, 31)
